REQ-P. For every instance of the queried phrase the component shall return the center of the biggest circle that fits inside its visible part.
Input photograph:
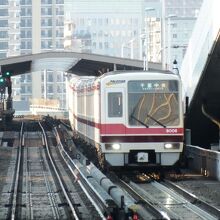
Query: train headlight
(114, 146)
(171, 146)
(168, 146)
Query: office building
(133, 29)
(30, 26)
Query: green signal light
(6, 74)
(1, 80)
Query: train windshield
(153, 103)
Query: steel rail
(194, 199)
(79, 180)
(29, 213)
(49, 190)
(53, 206)
(17, 174)
(58, 176)
(195, 209)
(156, 212)
(153, 200)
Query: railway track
(193, 199)
(41, 187)
(76, 200)
(52, 182)
(166, 203)
(110, 198)
(42, 197)
(150, 207)
(34, 193)
(13, 199)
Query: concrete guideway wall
(205, 161)
(201, 43)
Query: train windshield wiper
(149, 116)
(141, 122)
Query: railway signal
(5, 95)
(7, 74)
(2, 80)
(2, 86)
(7, 78)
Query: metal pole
(122, 50)
(141, 47)
(144, 63)
(132, 49)
(163, 40)
(146, 49)
(146, 42)
(188, 136)
(168, 42)
(45, 84)
(146, 37)
(63, 83)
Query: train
(131, 118)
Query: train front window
(115, 104)
(153, 103)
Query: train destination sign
(152, 86)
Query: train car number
(172, 130)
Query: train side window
(115, 104)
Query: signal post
(6, 104)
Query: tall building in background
(123, 28)
(4, 31)
(133, 29)
(42, 28)
(106, 27)
(180, 17)
(11, 9)
(33, 26)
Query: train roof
(135, 71)
(149, 73)
(76, 77)
(88, 80)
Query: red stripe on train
(122, 129)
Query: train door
(115, 110)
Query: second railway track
(164, 202)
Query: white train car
(132, 118)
